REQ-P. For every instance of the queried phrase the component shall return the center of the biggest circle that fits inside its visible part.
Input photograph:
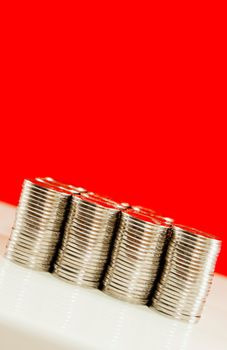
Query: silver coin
(87, 236)
(187, 275)
(127, 279)
(70, 253)
(75, 280)
(124, 296)
(30, 244)
(88, 265)
(81, 249)
(176, 315)
(80, 276)
(78, 270)
(180, 305)
(39, 218)
(130, 289)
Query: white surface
(7, 214)
(38, 311)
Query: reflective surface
(40, 304)
(38, 311)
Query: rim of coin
(46, 235)
(37, 191)
(83, 206)
(189, 247)
(140, 269)
(139, 292)
(143, 276)
(140, 217)
(142, 227)
(88, 256)
(185, 269)
(130, 282)
(52, 180)
(29, 243)
(33, 252)
(27, 258)
(82, 264)
(71, 279)
(42, 186)
(85, 249)
(85, 241)
(78, 270)
(191, 294)
(196, 233)
(123, 259)
(123, 298)
(93, 224)
(139, 257)
(181, 307)
(130, 290)
(127, 260)
(116, 293)
(185, 290)
(144, 239)
(91, 201)
(140, 282)
(81, 275)
(93, 218)
(85, 254)
(192, 255)
(39, 220)
(90, 235)
(32, 266)
(186, 263)
(179, 283)
(40, 203)
(92, 248)
(176, 315)
(133, 245)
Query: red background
(128, 101)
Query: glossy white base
(39, 311)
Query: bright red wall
(127, 101)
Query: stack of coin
(187, 274)
(38, 223)
(83, 254)
(136, 256)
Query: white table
(38, 311)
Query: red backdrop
(126, 101)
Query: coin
(39, 218)
(136, 256)
(187, 274)
(86, 241)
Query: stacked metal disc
(86, 241)
(136, 256)
(187, 274)
(38, 222)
